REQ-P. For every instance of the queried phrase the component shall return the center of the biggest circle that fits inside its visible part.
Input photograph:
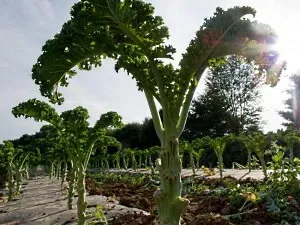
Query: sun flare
(288, 52)
(288, 43)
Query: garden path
(43, 202)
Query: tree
(129, 135)
(137, 135)
(292, 113)
(229, 104)
(239, 81)
(208, 115)
(128, 32)
(148, 137)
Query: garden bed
(127, 199)
(212, 203)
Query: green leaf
(38, 110)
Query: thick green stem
(101, 164)
(106, 165)
(54, 171)
(81, 202)
(155, 115)
(118, 163)
(198, 162)
(27, 172)
(134, 164)
(264, 168)
(249, 160)
(192, 163)
(170, 202)
(125, 163)
(140, 161)
(220, 165)
(18, 175)
(291, 148)
(63, 174)
(151, 165)
(263, 165)
(11, 185)
(58, 169)
(51, 171)
(72, 181)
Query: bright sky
(26, 24)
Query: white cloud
(40, 11)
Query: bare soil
(202, 210)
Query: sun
(288, 43)
(289, 53)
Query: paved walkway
(43, 202)
(237, 173)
